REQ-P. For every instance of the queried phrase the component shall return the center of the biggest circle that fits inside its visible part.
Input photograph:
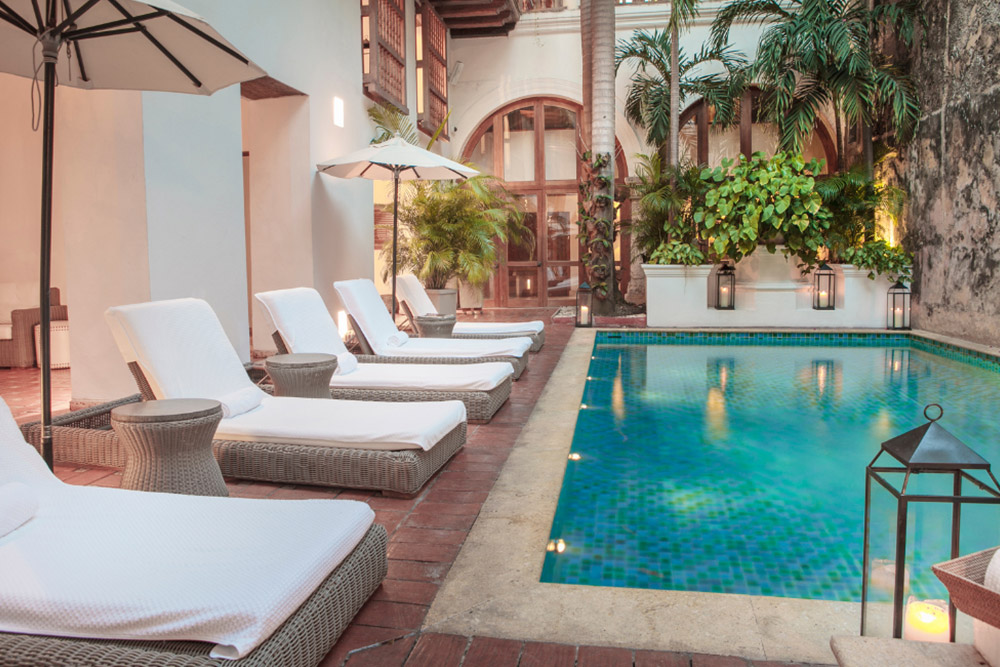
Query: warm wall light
(342, 324)
(338, 112)
(575, 457)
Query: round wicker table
(434, 326)
(301, 375)
(169, 446)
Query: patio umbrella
(396, 160)
(111, 44)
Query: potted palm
(451, 230)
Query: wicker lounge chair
(82, 528)
(415, 303)
(178, 349)
(377, 334)
(302, 323)
(17, 325)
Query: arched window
(703, 144)
(534, 145)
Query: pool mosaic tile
(734, 463)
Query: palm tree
(718, 75)
(682, 12)
(815, 53)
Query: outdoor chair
(178, 349)
(102, 576)
(18, 318)
(377, 334)
(302, 323)
(415, 303)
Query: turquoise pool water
(736, 463)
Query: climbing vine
(596, 222)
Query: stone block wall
(951, 171)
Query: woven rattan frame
(519, 363)
(302, 641)
(964, 577)
(480, 406)
(84, 437)
(18, 351)
(537, 339)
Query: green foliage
(596, 223)
(665, 222)
(880, 258)
(716, 74)
(390, 121)
(854, 201)
(764, 200)
(813, 53)
(450, 229)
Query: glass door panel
(560, 144)
(523, 263)
(519, 145)
(562, 256)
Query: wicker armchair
(19, 350)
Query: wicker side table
(301, 375)
(434, 326)
(169, 446)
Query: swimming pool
(734, 463)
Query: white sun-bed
(301, 323)
(416, 303)
(378, 335)
(178, 349)
(99, 576)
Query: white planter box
(770, 292)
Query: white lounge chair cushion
(410, 290)
(426, 377)
(301, 317)
(114, 564)
(183, 351)
(6, 331)
(362, 300)
(526, 328)
(355, 424)
(18, 504)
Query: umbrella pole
(395, 232)
(50, 52)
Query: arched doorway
(703, 144)
(534, 145)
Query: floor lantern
(898, 307)
(934, 469)
(824, 288)
(584, 306)
(725, 288)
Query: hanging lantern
(824, 288)
(898, 307)
(925, 455)
(584, 306)
(725, 288)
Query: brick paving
(425, 535)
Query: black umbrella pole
(48, 124)
(395, 232)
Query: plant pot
(470, 297)
(676, 295)
(445, 300)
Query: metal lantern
(927, 453)
(584, 306)
(898, 307)
(824, 288)
(725, 288)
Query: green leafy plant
(678, 252)
(881, 259)
(389, 122)
(768, 200)
(597, 230)
(855, 201)
(451, 229)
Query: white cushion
(355, 424)
(986, 637)
(19, 461)
(426, 377)
(18, 504)
(409, 289)
(453, 347)
(184, 352)
(301, 317)
(116, 564)
(500, 328)
(6, 330)
(363, 302)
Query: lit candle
(342, 323)
(724, 297)
(529, 285)
(574, 457)
(585, 315)
(824, 299)
(897, 318)
(926, 621)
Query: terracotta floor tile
(661, 659)
(409, 570)
(356, 637)
(444, 521)
(409, 592)
(435, 650)
(430, 536)
(538, 654)
(458, 497)
(469, 509)
(384, 614)
(429, 553)
(490, 652)
(385, 655)
(603, 656)
(703, 660)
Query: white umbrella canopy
(395, 160)
(110, 44)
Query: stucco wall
(952, 172)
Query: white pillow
(986, 637)
(397, 339)
(18, 504)
(346, 363)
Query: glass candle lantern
(824, 288)
(898, 307)
(725, 288)
(584, 306)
